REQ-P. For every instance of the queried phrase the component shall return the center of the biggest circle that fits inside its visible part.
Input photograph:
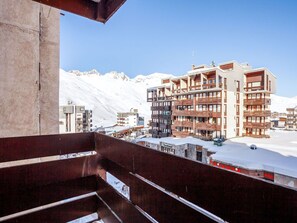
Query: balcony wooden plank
(231, 196)
(19, 148)
(156, 203)
(33, 175)
(105, 214)
(62, 213)
(124, 209)
(25, 199)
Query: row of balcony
(262, 125)
(196, 113)
(261, 113)
(183, 123)
(162, 116)
(161, 108)
(155, 98)
(258, 101)
(197, 125)
(197, 88)
(257, 88)
(183, 102)
(207, 100)
(208, 126)
(212, 100)
(180, 133)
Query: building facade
(129, 118)
(161, 99)
(73, 118)
(227, 100)
(291, 123)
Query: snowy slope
(279, 103)
(107, 94)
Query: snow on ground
(107, 94)
(283, 142)
(277, 154)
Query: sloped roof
(98, 10)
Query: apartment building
(227, 100)
(161, 109)
(130, 118)
(73, 118)
(291, 123)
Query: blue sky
(147, 36)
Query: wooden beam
(19, 148)
(101, 11)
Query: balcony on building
(257, 101)
(261, 80)
(256, 125)
(179, 85)
(258, 113)
(207, 80)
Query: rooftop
(278, 153)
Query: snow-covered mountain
(280, 104)
(107, 94)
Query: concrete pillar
(27, 89)
(49, 51)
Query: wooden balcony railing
(209, 100)
(188, 124)
(62, 189)
(207, 126)
(260, 101)
(195, 87)
(204, 86)
(201, 113)
(209, 86)
(262, 125)
(176, 112)
(257, 113)
(183, 124)
(258, 88)
(161, 98)
(180, 90)
(180, 134)
(183, 102)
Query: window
(198, 156)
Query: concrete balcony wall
(29, 68)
